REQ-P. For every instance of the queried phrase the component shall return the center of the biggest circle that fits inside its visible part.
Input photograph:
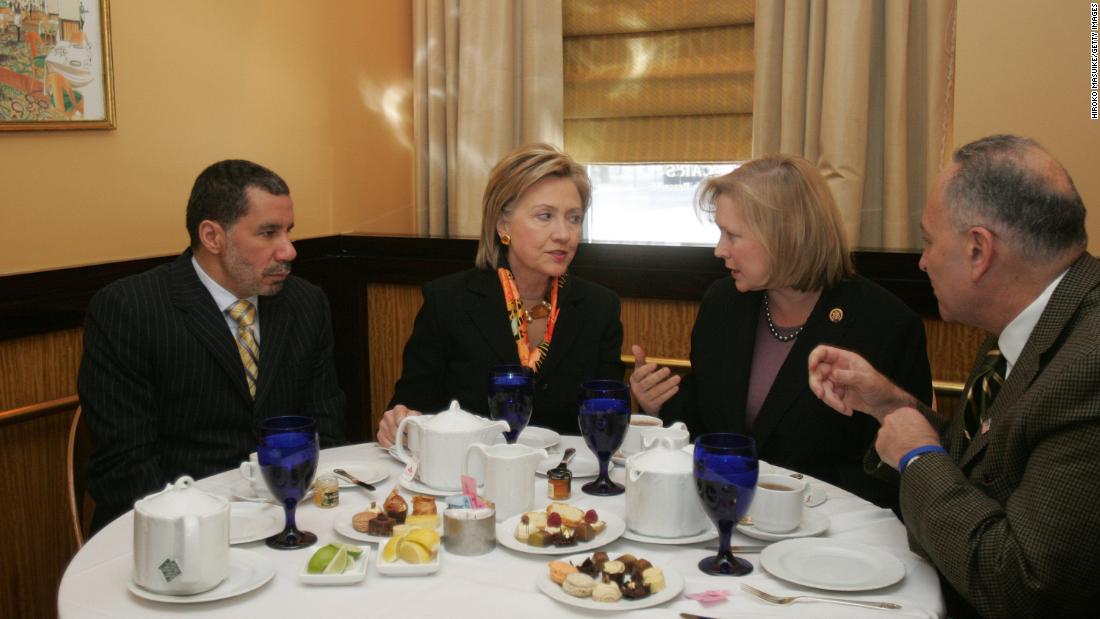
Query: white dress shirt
(225, 300)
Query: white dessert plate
(705, 536)
(674, 584)
(583, 465)
(400, 568)
(247, 571)
(506, 536)
(539, 438)
(341, 521)
(250, 522)
(813, 523)
(362, 472)
(833, 565)
(242, 489)
(392, 450)
(349, 577)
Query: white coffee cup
(251, 471)
(777, 504)
(632, 442)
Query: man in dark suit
(183, 362)
(1000, 498)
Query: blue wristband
(913, 453)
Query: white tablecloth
(498, 584)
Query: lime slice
(321, 559)
(353, 551)
(339, 563)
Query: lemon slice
(428, 538)
(389, 553)
(339, 562)
(412, 552)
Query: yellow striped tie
(245, 314)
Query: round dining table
(501, 582)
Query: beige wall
(297, 86)
(1023, 67)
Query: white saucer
(247, 571)
(242, 489)
(705, 536)
(674, 584)
(253, 521)
(834, 565)
(583, 465)
(362, 472)
(357, 572)
(615, 527)
(415, 485)
(813, 523)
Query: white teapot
(181, 540)
(439, 443)
(661, 500)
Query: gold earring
(505, 239)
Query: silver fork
(776, 599)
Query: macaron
(578, 585)
(560, 569)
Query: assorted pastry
(393, 517)
(608, 580)
(560, 524)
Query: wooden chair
(33, 492)
(81, 504)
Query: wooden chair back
(81, 504)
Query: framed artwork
(55, 65)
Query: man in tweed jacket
(1009, 515)
(162, 382)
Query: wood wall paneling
(40, 367)
(392, 309)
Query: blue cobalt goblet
(725, 470)
(604, 415)
(511, 397)
(288, 460)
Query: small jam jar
(559, 483)
(326, 490)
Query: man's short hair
(1011, 185)
(220, 193)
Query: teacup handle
(475, 449)
(399, 444)
(246, 470)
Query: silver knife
(352, 479)
(693, 616)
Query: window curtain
(658, 80)
(487, 77)
(863, 88)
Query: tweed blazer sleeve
(1011, 518)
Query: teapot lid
(181, 499)
(661, 458)
(454, 419)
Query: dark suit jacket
(793, 428)
(163, 388)
(462, 331)
(1012, 518)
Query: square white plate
(400, 568)
(349, 577)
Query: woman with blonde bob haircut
(792, 287)
(518, 306)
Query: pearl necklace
(771, 325)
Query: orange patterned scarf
(517, 317)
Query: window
(649, 203)
(658, 95)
